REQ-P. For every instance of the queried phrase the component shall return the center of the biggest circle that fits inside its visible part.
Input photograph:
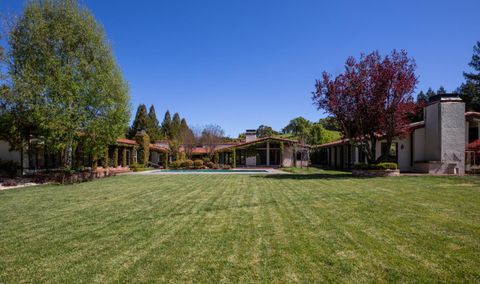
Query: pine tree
(422, 97)
(153, 127)
(441, 91)
(470, 90)
(166, 125)
(430, 93)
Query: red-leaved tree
(371, 99)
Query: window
(472, 134)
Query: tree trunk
(69, 155)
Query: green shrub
(226, 167)
(187, 164)
(206, 160)
(386, 166)
(136, 167)
(176, 164)
(198, 164)
(379, 166)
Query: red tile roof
(474, 146)
(158, 148)
(126, 141)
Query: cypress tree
(175, 128)
(140, 121)
(166, 125)
(153, 128)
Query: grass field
(304, 227)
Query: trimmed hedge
(379, 166)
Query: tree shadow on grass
(338, 175)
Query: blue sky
(243, 63)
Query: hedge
(379, 166)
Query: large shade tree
(67, 87)
(298, 127)
(372, 98)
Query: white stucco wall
(419, 145)
(6, 154)
(287, 157)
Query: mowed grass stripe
(304, 227)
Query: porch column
(268, 153)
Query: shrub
(10, 182)
(379, 166)
(215, 166)
(137, 167)
(176, 164)
(206, 160)
(209, 165)
(226, 167)
(188, 164)
(386, 166)
(198, 164)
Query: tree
(175, 127)
(470, 90)
(67, 87)
(422, 97)
(430, 93)
(421, 101)
(166, 125)
(188, 138)
(152, 125)
(329, 123)
(318, 135)
(441, 91)
(140, 121)
(371, 98)
(299, 127)
(265, 131)
(212, 136)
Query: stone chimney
(250, 135)
(445, 133)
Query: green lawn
(304, 227)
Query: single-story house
(265, 152)
(122, 153)
(437, 145)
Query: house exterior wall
(453, 131)
(287, 157)
(433, 133)
(7, 155)
(419, 145)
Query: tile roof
(126, 141)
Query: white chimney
(250, 135)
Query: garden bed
(376, 170)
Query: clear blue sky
(243, 63)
